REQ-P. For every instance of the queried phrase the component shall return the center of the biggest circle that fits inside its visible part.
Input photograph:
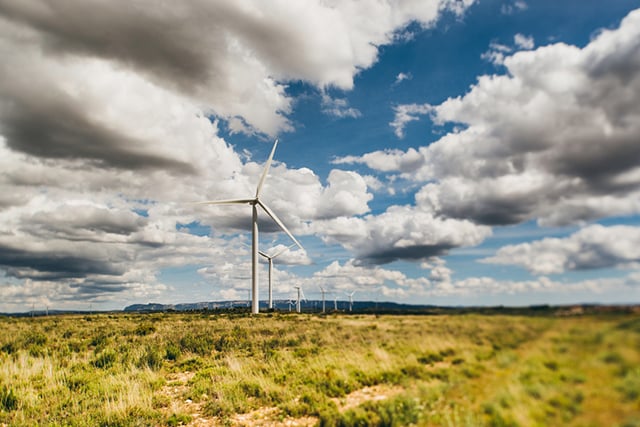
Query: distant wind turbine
(255, 202)
(351, 300)
(323, 291)
(270, 259)
(299, 288)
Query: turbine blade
(275, 218)
(266, 169)
(263, 254)
(225, 202)
(283, 251)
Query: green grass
(444, 370)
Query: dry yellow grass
(287, 369)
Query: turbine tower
(270, 259)
(255, 202)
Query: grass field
(289, 369)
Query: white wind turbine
(299, 288)
(351, 300)
(255, 202)
(270, 259)
(323, 291)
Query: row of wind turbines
(301, 297)
(255, 202)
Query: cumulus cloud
(523, 155)
(592, 247)
(498, 52)
(407, 113)
(90, 252)
(402, 77)
(387, 160)
(513, 7)
(338, 107)
(233, 58)
(523, 42)
(401, 232)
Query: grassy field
(288, 369)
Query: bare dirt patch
(270, 417)
(373, 393)
(174, 391)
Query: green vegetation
(234, 369)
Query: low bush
(8, 399)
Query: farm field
(273, 369)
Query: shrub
(35, 338)
(8, 399)
(399, 411)
(104, 360)
(430, 358)
(172, 352)
(145, 329)
(199, 344)
(178, 420)
(151, 358)
(9, 348)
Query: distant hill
(283, 305)
(359, 307)
(373, 307)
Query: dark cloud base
(411, 253)
(51, 266)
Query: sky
(447, 152)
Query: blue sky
(438, 152)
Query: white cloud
(524, 42)
(496, 53)
(387, 160)
(402, 77)
(345, 194)
(401, 232)
(338, 107)
(408, 113)
(592, 247)
(516, 6)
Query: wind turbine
(351, 300)
(255, 202)
(270, 259)
(323, 291)
(299, 288)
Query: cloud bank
(554, 139)
(592, 247)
